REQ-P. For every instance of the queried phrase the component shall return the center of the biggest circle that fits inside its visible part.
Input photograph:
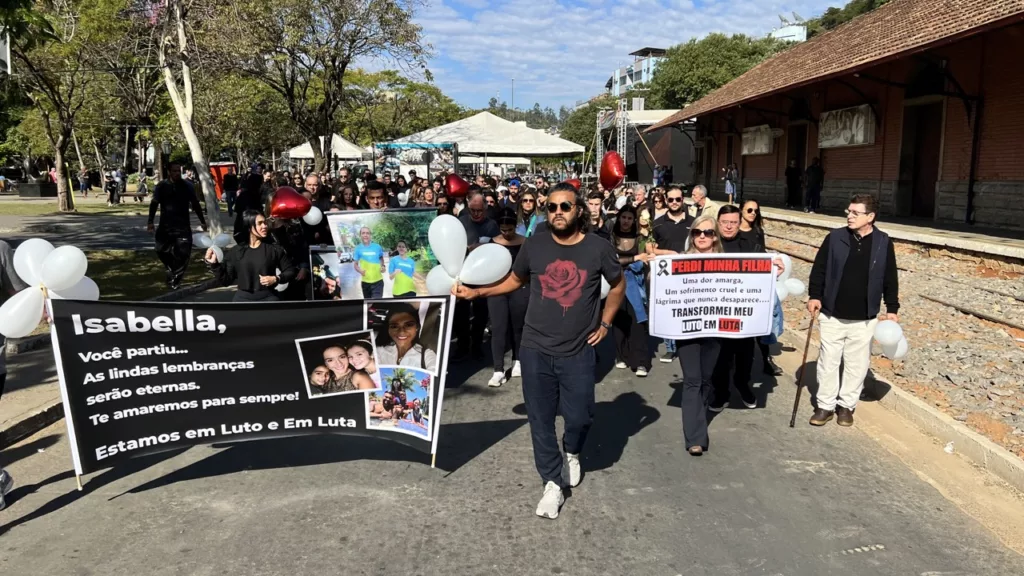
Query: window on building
(728, 150)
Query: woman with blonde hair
(698, 356)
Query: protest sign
(376, 255)
(138, 378)
(711, 295)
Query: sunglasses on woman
(525, 200)
(697, 233)
(751, 210)
(564, 206)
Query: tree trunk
(127, 149)
(318, 153)
(142, 157)
(202, 171)
(99, 158)
(78, 151)
(158, 159)
(65, 200)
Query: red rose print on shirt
(563, 282)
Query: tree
(303, 48)
(53, 71)
(580, 125)
(834, 17)
(382, 106)
(175, 56)
(691, 70)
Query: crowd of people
(549, 311)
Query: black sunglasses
(674, 198)
(565, 206)
(697, 232)
(524, 200)
(751, 210)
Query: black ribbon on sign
(663, 268)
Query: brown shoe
(844, 416)
(821, 417)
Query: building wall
(986, 65)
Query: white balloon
(486, 265)
(218, 253)
(888, 333)
(605, 288)
(794, 286)
(439, 283)
(64, 267)
(403, 199)
(313, 217)
(788, 263)
(29, 257)
(279, 286)
(901, 349)
(448, 242)
(222, 240)
(86, 289)
(202, 239)
(781, 291)
(620, 202)
(20, 315)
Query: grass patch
(137, 275)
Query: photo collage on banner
(144, 377)
(376, 255)
(407, 335)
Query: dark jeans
(740, 352)
(229, 199)
(373, 290)
(552, 385)
(631, 339)
(174, 247)
(793, 195)
(813, 198)
(697, 358)
(406, 295)
(507, 313)
(470, 321)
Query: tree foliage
(381, 106)
(303, 48)
(691, 70)
(536, 117)
(834, 17)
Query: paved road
(766, 500)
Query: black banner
(139, 378)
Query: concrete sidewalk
(31, 399)
(956, 236)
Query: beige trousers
(849, 342)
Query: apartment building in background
(640, 71)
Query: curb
(978, 449)
(20, 345)
(32, 423)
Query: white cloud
(560, 52)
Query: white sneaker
(517, 370)
(572, 464)
(641, 372)
(496, 380)
(551, 501)
(620, 365)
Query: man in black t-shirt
(670, 233)
(471, 318)
(174, 198)
(563, 267)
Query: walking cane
(803, 370)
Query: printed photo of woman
(407, 333)
(361, 358)
(402, 269)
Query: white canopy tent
(340, 148)
(498, 160)
(486, 134)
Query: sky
(561, 52)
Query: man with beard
(174, 197)
(671, 230)
(564, 322)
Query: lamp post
(513, 99)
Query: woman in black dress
(255, 266)
(507, 312)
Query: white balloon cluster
(485, 265)
(890, 336)
(218, 243)
(60, 271)
(785, 286)
(314, 216)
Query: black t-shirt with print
(565, 290)
(672, 235)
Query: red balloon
(613, 170)
(575, 183)
(457, 187)
(288, 204)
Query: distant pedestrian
(174, 198)
(814, 179)
(230, 189)
(853, 272)
(794, 180)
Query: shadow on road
(615, 423)
(11, 455)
